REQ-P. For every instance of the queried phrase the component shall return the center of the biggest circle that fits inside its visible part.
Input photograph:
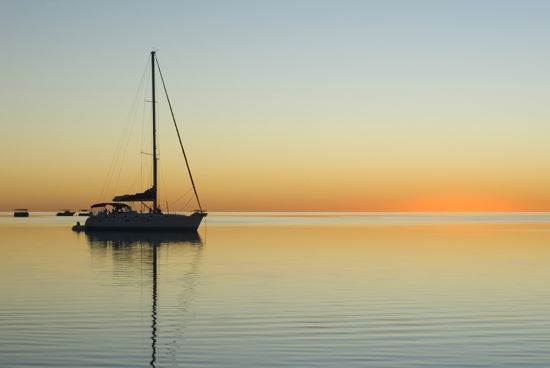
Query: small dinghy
(78, 227)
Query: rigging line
(146, 136)
(141, 143)
(143, 114)
(184, 207)
(133, 184)
(186, 203)
(124, 151)
(116, 156)
(179, 137)
(132, 118)
(163, 181)
(180, 197)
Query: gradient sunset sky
(283, 105)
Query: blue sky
(444, 89)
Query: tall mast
(154, 133)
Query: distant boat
(65, 213)
(20, 212)
(120, 216)
(83, 213)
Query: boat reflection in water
(132, 238)
(133, 242)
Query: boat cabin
(110, 208)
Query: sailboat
(117, 215)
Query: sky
(283, 105)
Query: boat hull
(145, 222)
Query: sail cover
(148, 195)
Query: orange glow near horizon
(459, 203)
(271, 189)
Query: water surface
(279, 289)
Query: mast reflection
(154, 309)
(130, 241)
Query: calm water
(279, 289)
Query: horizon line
(327, 211)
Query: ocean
(279, 290)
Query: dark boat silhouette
(65, 213)
(20, 212)
(131, 238)
(121, 217)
